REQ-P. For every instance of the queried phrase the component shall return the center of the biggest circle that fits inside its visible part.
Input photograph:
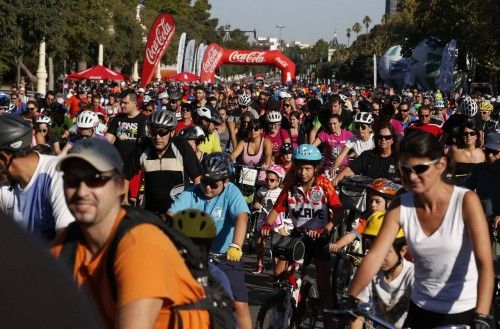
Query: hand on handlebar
(316, 233)
(265, 230)
(496, 221)
(334, 247)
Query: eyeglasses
(386, 137)
(469, 133)
(362, 126)
(270, 180)
(213, 184)
(490, 151)
(161, 132)
(416, 169)
(93, 180)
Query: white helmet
(163, 95)
(87, 119)
(468, 107)
(44, 119)
(343, 98)
(244, 100)
(363, 117)
(273, 116)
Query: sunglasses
(490, 151)
(386, 137)
(287, 105)
(31, 108)
(256, 128)
(424, 115)
(362, 126)
(243, 106)
(160, 132)
(469, 133)
(416, 169)
(147, 110)
(485, 112)
(213, 184)
(92, 180)
(407, 110)
(43, 130)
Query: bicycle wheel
(275, 313)
(309, 306)
(343, 270)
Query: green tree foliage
(356, 28)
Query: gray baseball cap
(492, 141)
(101, 154)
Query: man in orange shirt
(150, 275)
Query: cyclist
(45, 135)
(220, 198)
(277, 135)
(86, 123)
(308, 201)
(233, 120)
(207, 118)
(391, 287)
(194, 136)
(487, 123)
(33, 191)
(167, 162)
(447, 235)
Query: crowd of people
(75, 169)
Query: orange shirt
(147, 264)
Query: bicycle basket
(353, 192)
(288, 248)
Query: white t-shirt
(40, 207)
(358, 145)
(390, 299)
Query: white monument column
(158, 71)
(100, 57)
(135, 71)
(41, 72)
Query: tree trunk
(30, 75)
(51, 73)
(18, 60)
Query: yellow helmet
(485, 106)
(195, 224)
(375, 223)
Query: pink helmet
(278, 170)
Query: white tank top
(445, 266)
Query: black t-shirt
(374, 166)
(36, 290)
(164, 178)
(127, 132)
(345, 116)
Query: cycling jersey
(308, 209)
(40, 206)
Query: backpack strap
(70, 245)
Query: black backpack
(216, 300)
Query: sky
(304, 20)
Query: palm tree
(356, 28)
(348, 35)
(367, 20)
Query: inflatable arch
(216, 56)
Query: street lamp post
(280, 27)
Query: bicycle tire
(306, 314)
(343, 270)
(272, 312)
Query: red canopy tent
(183, 77)
(97, 72)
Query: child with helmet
(264, 201)
(390, 288)
(381, 192)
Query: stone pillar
(41, 72)
(135, 71)
(100, 58)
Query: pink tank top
(253, 160)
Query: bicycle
(366, 312)
(295, 304)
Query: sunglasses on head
(91, 180)
(491, 151)
(416, 169)
(213, 184)
(469, 133)
(386, 137)
(161, 132)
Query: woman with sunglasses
(447, 235)
(287, 108)
(467, 153)
(255, 150)
(356, 145)
(44, 134)
(377, 163)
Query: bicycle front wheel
(275, 313)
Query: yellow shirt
(211, 144)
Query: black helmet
(16, 133)
(218, 166)
(286, 148)
(162, 119)
(194, 133)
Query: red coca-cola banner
(159, 37)
(210, 62)
(216, 56)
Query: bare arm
(231, 126)
(373, 260)
(477, 227)
(56, 148)
(342, 242)
(111, 138)
(340, 158)
(316, 142)
(346, 172)
(140, 314)
(312, 134)
(240, 228)
(268, 153)
(237, 150)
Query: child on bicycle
(381, 192)
(264, 201)
(390, 288)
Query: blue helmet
(307, 152)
